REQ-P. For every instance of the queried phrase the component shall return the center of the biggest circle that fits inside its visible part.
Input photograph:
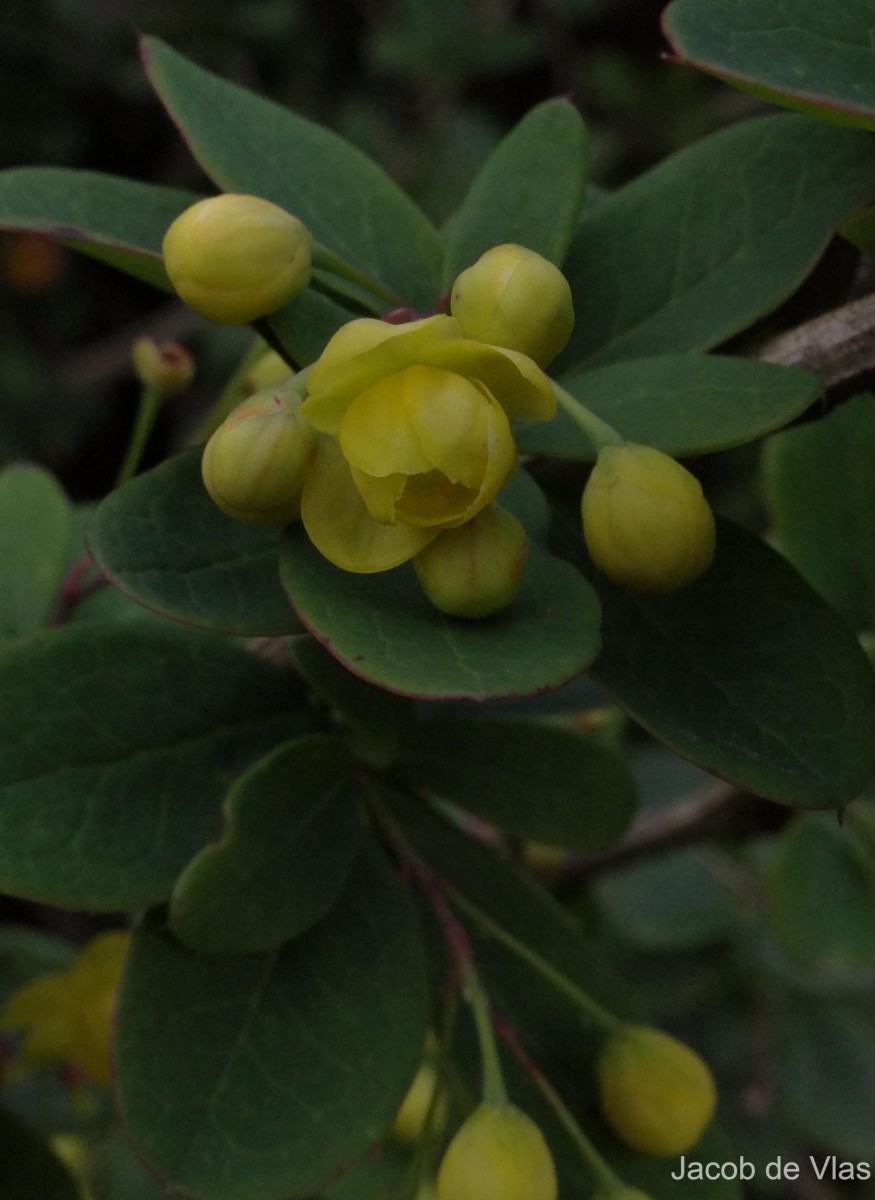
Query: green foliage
(305, 1051)
(324, 803)
(799, 53)
(727, 686)
(703, 244)
(802, 468)
(682, 404)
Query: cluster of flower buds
(404, 437)
(68, 1016)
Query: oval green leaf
(120, 221)
(748, 673)
(536, 781)
(803, 54)
(246, 143)
(677, 260)
(35, 535)
(257, 1077)
(162, 541)
(683, 404)
(820, 486)
(292, 831)
(120, 740)
(822, 895)
(530, 191)
(384, 629)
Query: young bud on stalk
(167, 367)
(236, 258)
(498, 1154)
(512, 297)
(476, 569)
(655, 1091)
(645, 520)
(255, 464)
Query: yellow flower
(477, 569)
(645, 520)
(419, 436)
(498, 1154)
(255, 463)
(68, 1016)
(655, 1091)
(236, 258)
(515, 298)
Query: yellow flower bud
(270, 371)
(498, 1154)
(513, 297)
(168, 367)
(236, 258)
(255, 464)
(646, 522)
(655, 1091)
(413, 1113)
(476, 569)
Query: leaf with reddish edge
(812, 57)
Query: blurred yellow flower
(68, 1016)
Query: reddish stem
(75, 588)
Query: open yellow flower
(68, 1016)
(418, 420)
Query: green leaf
(677, 902)
(827, 1077)
(515, 903)
(35, 534)
(120, 221)
(533, 780)
(30, 1170)
(377, 718)
(246, 143)
(711, 239)
(530, 191)
(821, 490)
(682, 404)
(162, 541)
(304, 325)
(292, 831)
(383, 628)
(257, 1077)
(822, 895)
(120, 742)
(748, 673)
(804, 54)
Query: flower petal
(362, 353)
(520, 387)
(340, 526)
(377, 435)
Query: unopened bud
(645, 520)
(167, 367)
(476, 569)
(655, 1091)
(255, 464)
(512, 297)
(498, 1154)
(236, 258)
(270, 371)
